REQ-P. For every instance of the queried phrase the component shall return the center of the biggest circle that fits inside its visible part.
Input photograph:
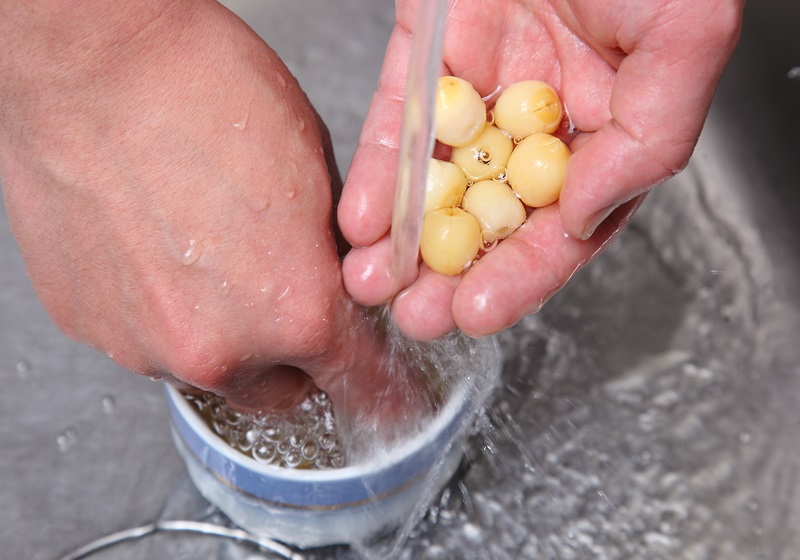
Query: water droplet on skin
(23, 369)
(258, 202)
(245, 357)
(242, 123)
(301, 126)
(109, 404)
(291, 193)
(192, 253)
(283, 293)
(66, 439)
(281, 81)
(225, 288)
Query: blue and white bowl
(311, 508)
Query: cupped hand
(172, 199)
(637, 81)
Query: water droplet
(245, 357)
(283, 293)
(23, 369)
(281, 81)
(192, 253)
(473, 533)
(490, 117)
(489, 240)
(225, 288)
(745, 438)
(293, 458)
(66, 439)
(301, 125)
(242, 123)
(753, 505)
(291, 193)
(258, 202)
(264, 452)
(109, 404)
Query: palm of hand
(637, 82)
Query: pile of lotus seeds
(497, 168)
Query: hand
(637, 80)
(169, 186)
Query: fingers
(661, 95)
(424, 311)
(365, 273)
(365, 209)
(525, 270)
(276, 389)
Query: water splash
(416, 142)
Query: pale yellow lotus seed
(536, 169)
(444, 186)
(460, 112)
(450, 241)
(528, 107)
(496, 207)
(486, 157)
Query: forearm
(54, 49)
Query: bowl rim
(385, 474)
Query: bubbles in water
(303, 438)
(66, 439)
(192, 252)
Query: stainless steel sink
(651, 410)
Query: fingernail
(597, 219)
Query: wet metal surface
(650, 411)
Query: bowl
(313, 508)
